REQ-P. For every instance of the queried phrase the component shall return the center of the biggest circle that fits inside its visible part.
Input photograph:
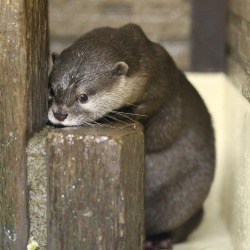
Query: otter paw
(165, 244)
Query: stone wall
(166, 22)
(239, 44)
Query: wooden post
(208, 33)
(23, 90)
(95, 188)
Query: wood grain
(23, 74)
(95, 196)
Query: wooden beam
(208, 35)
(23, 104)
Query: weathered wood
(95, 188)
(238, 42)
(23, 73)
(208, 35)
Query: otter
(120, 71)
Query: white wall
(226, 225)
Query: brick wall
(239, 44)
(165, 21)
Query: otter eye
(82, 98)
(51, 92)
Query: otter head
(84, 87)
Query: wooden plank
(23, 73)
(208, 35)
(238, 42)
(95, 188)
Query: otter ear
(120, 69)
(54, 56)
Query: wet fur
(179, 138)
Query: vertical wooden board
(95, 189)
(23, 73)
(208, 34)
(37, 46)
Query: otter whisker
(86, 123)
(116, 119)
(93, 122)
(104, 119)
(131, 104)
(126, 113)
(120, 113)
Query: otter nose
(60, 116)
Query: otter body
(117, 69)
